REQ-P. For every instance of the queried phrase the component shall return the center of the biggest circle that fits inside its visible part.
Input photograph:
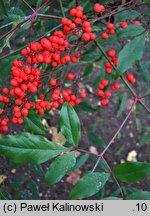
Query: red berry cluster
(98, 8)
(54, 51)
(130, 78)
(106, 94)
(114, 60)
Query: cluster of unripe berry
(54, 51)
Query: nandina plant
(45, 76)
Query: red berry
(82, 95)
(99, 8)
(111, 53)
(33, 89)
(5, 90)
(100, 93)
(105, 36)
(104, 82)
(64, 21)
(136, 22)
(123, 25)
(20, 121)
(70, 76)
(24, 112)
(73, 12)
(14, 120)
(46, 44)
(108, 94)
(86, 36)
(108, 70)
(110, 26)
(53, 82)
(101, 86)
(104, 102)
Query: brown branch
(114, 137)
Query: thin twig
(148, 110)
(28, 5)
(144, 96)
(49, 16)
(121, 191)
(114, 137)
(120, 128)
(8, 24)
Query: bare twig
(114, 137)
(121, 191)
(148, 110)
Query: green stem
(62, 9)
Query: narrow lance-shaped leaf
(29, 148)
(33, 123)
(59, 167)
(132, 171)
(70, 124)
(140, 195)
(89, 185)
(132, 52)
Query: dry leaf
(2, 178)
(57, 138)
(73, 177)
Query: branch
(148, 110)
(121, 191)
(114, 137)
(30, 17)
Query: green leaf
(141, 195)
(3, 7)
(5, 65)
(130, 31)
(123, 100)
(18, 182)
(38, 169)
(89, 185)
(132, 171)
(88, 70)
(33, 123)
(81, 161)
(145, 140)
(70, 124)
(144, 72)
(34, 189)
(59, 167)
(28, 148)
(86, 107)
(96, 139)
(112, 198)
(132, 52)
